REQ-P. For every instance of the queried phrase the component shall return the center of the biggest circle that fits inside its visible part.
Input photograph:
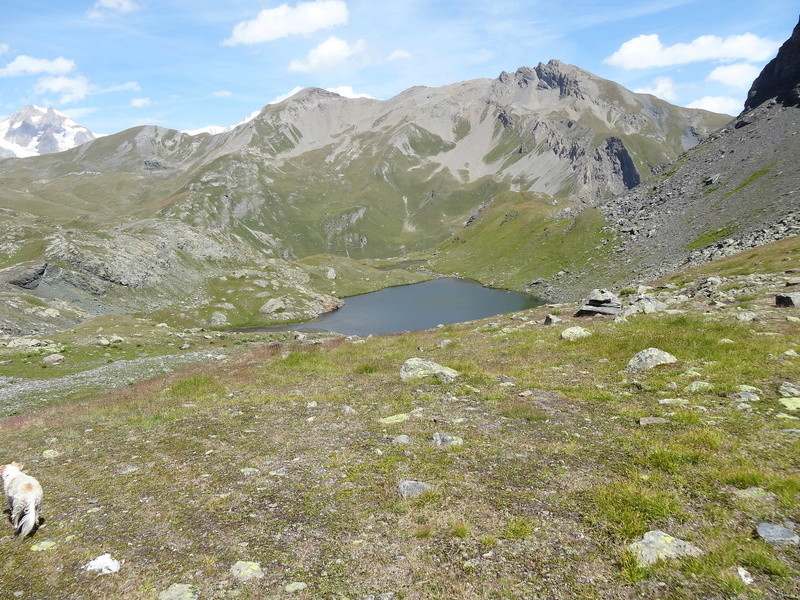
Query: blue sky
(114, 64)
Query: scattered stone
(42, 546)
(401, 440)
(648, 359)
(444, 440)
(574, 333)
(244, 570)
(178, 591)
(698, 386)
(394, 419)
(249, 471)
(675, 401)
(746, 396)
(26, 343)
(115, 339)
(744, 575)
(657, 545)
(790, 403)
(789, 389)
(51, 454)
(551, 319)
(726, 341)
(600, 302)
(103, 564)
(104, 342)
(349, 410)
(691, 373)
(444, 343)
(755, 493)
(791, 300)
(747, 317)
(53, 359)
(791, 353)
(296, 586)
(750, 388)
(417, 368)
(777, 535)
(412, 489)
(653, 421)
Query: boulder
(575, 333)
(412, 489)
(53, 359)
(648, 359)
(777, 535)
(417, 368)
(600, 302)
(791, 300)
(657, 545)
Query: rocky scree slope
(737, 189)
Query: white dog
(24, 497)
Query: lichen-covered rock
(245, 570)
(178, 591)
(575, 333)
(648, 359)
(657, 545)
(445, 440)
(412, 489)
(417, 368)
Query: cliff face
(780, 79)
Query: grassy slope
(542, 499)
(518, 239)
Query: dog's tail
(29, 520)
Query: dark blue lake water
(417, 306)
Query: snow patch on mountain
(34, 130)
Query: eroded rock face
(780, 79)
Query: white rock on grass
(789, 389)
(777, 535)
(412, 489)
(103, 564)
(53, 359)
(445, 440)
(575, 333)
(657, 545)
(648, 359)
(417, 368)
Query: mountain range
(548, 178)
(33, 130)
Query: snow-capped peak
(34, 130)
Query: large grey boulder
(788, 300)
(648, 359)
(600, 302)
(777, 535)
(417, 368)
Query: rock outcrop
(780, 78)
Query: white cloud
(79, 113)
(127, 86)
(4, 48)
(347, 92)
(647, 51)
(70, 88)
(222, 94)
(284, 21)
(27, 65)
(398, 54)
(330, 53)
(663, 87)
(140, 102)
(109, 8)
(740, 75)
(718, 104)
(288, 94)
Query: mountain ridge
(33, 131)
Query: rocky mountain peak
(567, 79)
(780, 79)
(34, 130)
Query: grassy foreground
(278, 456)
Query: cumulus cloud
(662, 87)
(285, 21)
(222, 94)
(330, 53)
(399, 54)
(140, 102)
(70, 88)
(110, 8)
(740, 75)
(347, 92)
(288, 94)
(27, 65)
(648, 51)
(718, 104)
